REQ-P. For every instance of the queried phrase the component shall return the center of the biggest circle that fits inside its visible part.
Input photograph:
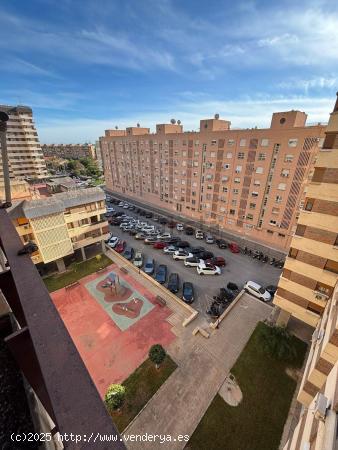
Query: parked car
(183, 244)
(155, 218)
(128, 253)
(174, 283)
(174, 241)
(149, 266)
(221, 243)
(217, 261)
(206, 255)
(150, 240)
(115, 221)
(163, 221)
(181, 254)
(271, 289)
(209, 239)
(160, 245)
(188, 292)
(234, 248)
(194, 261)
(121, 204)
(110, 235)
(120, 246)
(208, 269)
(138, 259)
(133, 232)
(113, 242)
(161, 274)
(148, 215)
(257, 291)
(179, 227)
(189, 231)
(110, 209)
(199, 234)
(170, 249)
(140, 236)
(164, 236)
(171, 224)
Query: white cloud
(319, 82)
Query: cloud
(319, 82)
(54, 101)
(18, 65)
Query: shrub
(114, 397)
(157, 354)
(277, 342)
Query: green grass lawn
(141, 385)
(76, 271)
(257, 423)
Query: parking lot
(239, 267)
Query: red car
(217, 261)
(120, 247)
(233, 248)
(160, 245)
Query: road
(239, 268)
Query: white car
(179, 227)
(208, 269)
(148, 228)
(193, 262)
(113, 241)
(181, 255)
(163, 236)
(257, 291)
(199, 234)
(121, 204)
(138, 259)
(110, 235)
(110, 209)
(125, 206)
(209, 239)
(170, 250)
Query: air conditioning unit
(321, 407)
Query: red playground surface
(110, 354)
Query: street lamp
(3, 143)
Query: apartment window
(309, 204)
(225, 189)
(249, 216)
(184, 153)
(229, 155)
(226, 166)
(264, 142)
(259, 169)
(275, 210)
(285, 173)
(234, 202)
(288, 158)
(261, 156)
(279, 199)
(273, 222)
(252, 205)
(248, 226)
(193, 202)
(235, 191)
(209, 186)
(238, 169)
(240, 155)
(269, 231)
(293, 142)
(237, 180)
(224, 179)
(195, 164)
(231, 142)
(196, 154)
(281, 235)
(209, 176)
(257, 182)
(183, 182)
(212, 154)
(222, 209)
(232, 212)
(242, 143)
(254, 194)
(281, 186)
(213, 142)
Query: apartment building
(62, 223)
(69, 151)
(311, 268)
(249, 182)
(317, 425)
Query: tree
(277, 342)
(76, 167)
(157, 354)
(92, 169)
(114, 397)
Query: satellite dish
(178, 122)
(173, 121)
(216, 116)
(116, 127)
(138, 125)
(3, 116)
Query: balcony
(87, 228)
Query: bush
(277, 342)
(114, 397)
(157, 354)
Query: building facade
(24, 152)
(62, 223)
(247, 182)
(311, 270)
(69, 151)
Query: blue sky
(84, 66)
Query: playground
(113, 321)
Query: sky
(85, 66)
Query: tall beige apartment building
(69, 151)
(249, 182)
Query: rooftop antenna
(178, 122)
(216, 116)
(116, 127)
(138, 125)
(173, 121)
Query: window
(269, 231)
(281, 186)
(259, 170)
(309, 204)
(242, 143)
(254, 194)
(252, 205)
(225, 189)
(264, 142)
(248, 226)
(261, 156)
(288, 158)
(285, 173)
(237, 180)
(231, 142)
(279, 199)
(226, 166)
(235, 191)
(240, 155)
(209, 186)
(238, 169)
(209, 177)
(249, 216)
(275, 210)
(281, 235)
(212, 154)
(293, 142)
(232, 212)
(196, 154)
(229, 155)
(195, 164)
(213, 142)
(273, 222)
(234, 202)
(224, 179)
